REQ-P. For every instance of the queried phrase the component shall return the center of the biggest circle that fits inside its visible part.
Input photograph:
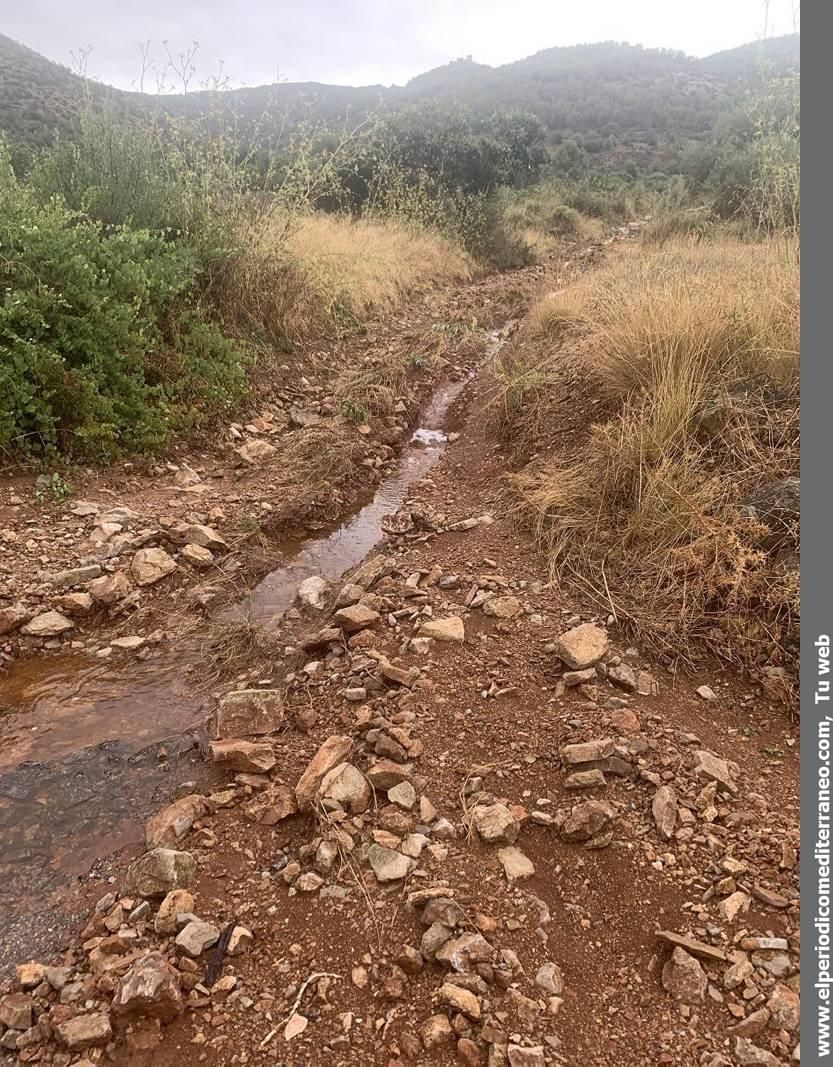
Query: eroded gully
(90, 749)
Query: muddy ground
(549, 954)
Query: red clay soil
(487, 723)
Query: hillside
(597, 94)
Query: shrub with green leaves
(96, 355)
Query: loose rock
(249, 757)
(582, 646)
(684, 978)
(84, 1031)
(48, 624)
(149, 990)
(158, 872)
(516, 866)
(495, 823)
(247, 713)
(450, 629)
(151, 565)
(334, 750)
(170, 825)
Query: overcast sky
(364, 42)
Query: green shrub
(95, 355)
(152, 175)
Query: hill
(603, 96)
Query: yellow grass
(702, 311)
(298, 278)
(370, 265)
(645, 515)
(556, 309)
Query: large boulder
(149, 990)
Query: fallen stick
(215, 964)
(297, 1004)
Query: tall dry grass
(368, 265)
(695, 348)
(295, 278)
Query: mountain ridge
(591, 90)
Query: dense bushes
(142, 267)
(91, 324)
(439, 167)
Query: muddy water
(334, 554)
(79, 737)
(54, 707)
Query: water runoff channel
(79, 766)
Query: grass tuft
(695, 348)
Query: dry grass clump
(695, 313)
(697, 347)
(519, 379)
(671, 221)
(318, 471)
(368, 265)
(542, 220)
(234, 646)
(556, 309)
(298, 278)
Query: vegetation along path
(311, 755)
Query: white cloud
(368, 41)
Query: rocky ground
(92, 557)
(462, 821)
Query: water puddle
(78, 736)
(52, 707)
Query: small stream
(80, 766)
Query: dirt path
(476, 907)
(85, 715)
